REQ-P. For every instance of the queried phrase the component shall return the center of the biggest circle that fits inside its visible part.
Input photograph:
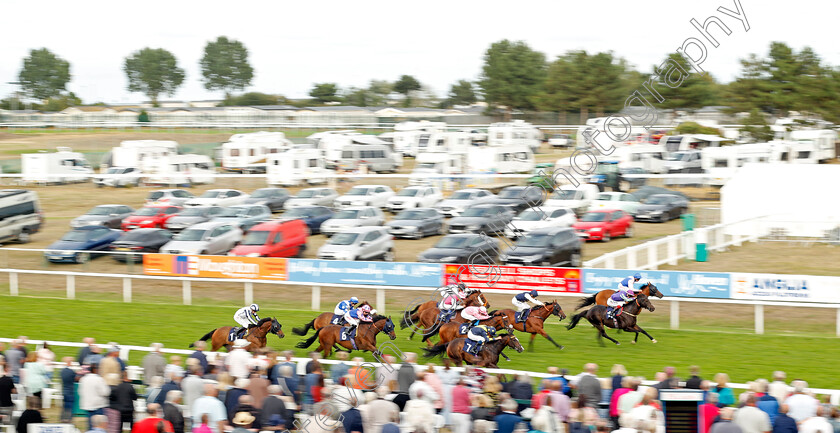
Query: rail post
(675, 314)
(759, 319)
(126, 289)
(672, 251)
(13, 283)
(651, 257)
(249, 293)
(631, 258)
(609, 262)
(186, 288)
(71, 286)
(380, 300)
(316, 298)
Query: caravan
(677, 143)
(595, 131)
(452, 141)
(500, 159)
(331, 145)
(516, 133)
(721, 163)
(183, 170)
(429, 166)
(60, 167)
(295, 167)
(648, 157)
(247, 152)
(407, 135)
(822, 141)
(139, 154)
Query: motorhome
(407, 134)
(431, 165)
(500, 159)
(139, 154)
(296, 167)
(822, 140)
(677, 143)
(183, 170)
(62, 166)
(721, 163)
(516, 133)
(374, 157)
(648, 157)
(333, 144)
(247, 153)
(448, 141)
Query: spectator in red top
(150, 424)
(461, 410)
(708, 412)
(539, 399)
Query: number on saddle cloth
(348, 334)
(521, 316)
(464, 328)
(337, 319)
(472, 347)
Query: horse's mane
(493, 313)
(263, 320)
(379, 317)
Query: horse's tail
(406, 316)
(206, 337)
(587, 302)
(308, 342)
(575, 319)
(432, 332)
(305, 329)
(436, 350)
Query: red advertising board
(514, 278)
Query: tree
(755, 125)
(405, 85)
(578, 81)
(462, 93)
(153, 72)
(325, 92)
(696, 128)
(253, 98)
(360, 97)
(382, 89)
(750, 88)
(61, 102)
(44, 74)
(695, 91)
(512, 74)
(225, 66)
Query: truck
(62, 166)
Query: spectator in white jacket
(420, 387)
(239, 360)
(420, 413)
(93, 394)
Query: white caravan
(141, 154)
(407, 134)
(296, 167)
(184, 170)
(331, 145)
(500, 159)
(431, 165)
(60, 167)
(451, 141)
(595, 130)
(247, 153)
(516, 133)
(648, 157)
(315, 139)
(798, 152)
(822, 140)
(721, 163)
(677, 143)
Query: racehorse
(536, 321)
(425, 320)
(256, 335)
(319, 322)
(601, 297)
(413, 316)
(488, 357)
(626, 321)
(449, 331)
(330, 336)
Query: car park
(539, 217)
(604, 225)
(107, 215)
(617, 200)
(218, 197)
(212, 237)
(549, 246)
(661, 208)
(244, 216)
(191, 216)
(359, 243)
(81, 244)
(139, 241)
(365, 195)
(312, 197)
(20, 215)
(174, 197)
(273, 239)
(462, 199)
(459, 248)
(312, 216)
(119, 176)
(483, 218)
(149, 217)
(519, 198)
(357, 216)
(416, 223)
(414, 197)
(273, 198)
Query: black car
(646, 191)
(483, 218)
(273, 198)
(139, 241)
(628, 183)
(518, 198)
(661, 208)
(550, 246)
(459, 249)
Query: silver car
(175, 197)
(191, 216)
(360, 243)
(119, 176)
(462, 199)
(245, 216)
(416, 223)
(108, 215)
(360, 216)
(205, 238)
(312, 197)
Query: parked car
(312, 216)
(81, 244)
(22, 215)
(539, 217)
(174, 197)
(661, 208)
(549, 246)
(460, 247)
(686, 161)
(616, 200)
(518, 198)
(603, 225)
(312, 197)
(119, 176)
(486, 218)
(218, 197)
(414, 197)
(353, 217)
(212, 237)
(139, 241)
(108, 215)
(365, 195)
(416, 223)
(273, 198)
(577, 198)
(629, 183)
(647, 191)
(244, 216)
(560, 140)
(150, 217)
(274, 239)
(191, 216)
(462, 199)
(359, 243)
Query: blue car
(88, 238)
(312, 216)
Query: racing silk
(357, 314)
(481, 333)
(342, 307)
(628, 283)
(526, 297)
(449, 302)
(623, 296)
(244, 316)
(473, 313)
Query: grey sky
(296, 43)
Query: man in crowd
(751, 419)
(210, 404)
(153, 364)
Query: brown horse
(601, 297)
(488, 357)
(424, 321)
(319, 322)
(536, 321)
(449, 331)
(414, 314)
(597, 316)
(269, 325)
(330, 336)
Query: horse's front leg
(604, 334)
(531, 343)
(548, 337)
(638, 329)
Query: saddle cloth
(337, 319)
(472, 347)
(464, 328)
(522, 316)
(348, 334)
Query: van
(20, 215)
(501, 159)
(376, 157)
(184, 169)
(274, 239)
(295, 167)
(60, 167)
(577, 198)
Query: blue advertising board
(670, 283)
(378, 273)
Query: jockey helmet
(354, 300)
(482, 310)
(533, 293)
(365, 308)
(254, 307)
(637, 276)
(462, 286)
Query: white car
(205, 238)
(219, 197)
(119, 176)
(175, 197)
(350, 217)
(365, 195)
(539, 217)
(414, 197)
(312, 197)
(462, 199)
(618, 201)
(360, 243)
(560, 140)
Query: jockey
(481, 334)
(452, 296)
(625, 293)
(524, 300)
(344, 306)
(247, 317)
(475, 314)
(354, 316)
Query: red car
(603, 225)
(149, 217)
(274, 239)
